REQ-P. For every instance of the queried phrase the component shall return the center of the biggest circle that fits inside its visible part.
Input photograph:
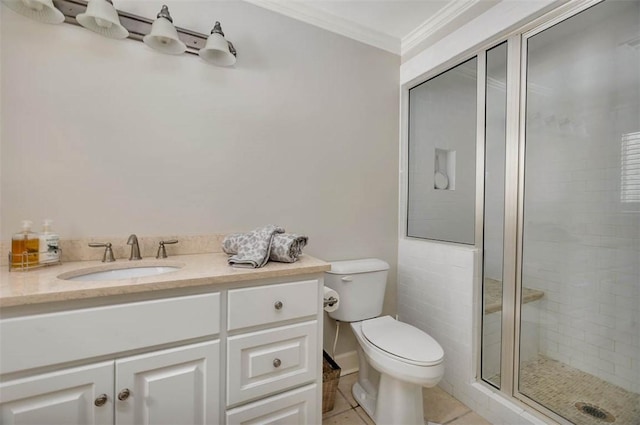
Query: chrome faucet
(135, 248)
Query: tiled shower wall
(582, 248)
(436, 291)
(581, 236)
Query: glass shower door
(580, 264)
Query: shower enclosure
(551, 119)
(561, 275)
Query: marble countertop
(44, 285)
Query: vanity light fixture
(38, 10)
(164, 36)
(101, 17)
(218, 50)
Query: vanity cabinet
(273, 347)
(227, 353)
(158, 386)
(165, 387)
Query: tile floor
(439, 407)
(560, 387)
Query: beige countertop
(44, 285)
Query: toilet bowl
(407, 360)
(406, 357)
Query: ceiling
(397, 26)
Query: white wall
(108, 137)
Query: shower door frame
(515, 132)
(536, 27)
(514, 204)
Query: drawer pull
(124, 394)
(101, 400)
(278, 305)
(277, 363)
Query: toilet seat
(402, 341)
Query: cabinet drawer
(272, 303)
(81, 334)
(293, 407)
(265, 362)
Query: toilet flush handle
(347, 279)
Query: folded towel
(285, 247)
(254, 247)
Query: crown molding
(438, 22)
(445, 19)
(330, 22)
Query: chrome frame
(510, 313)
(478, 307)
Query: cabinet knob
(277, 363)
(101, 400)
(278, 305)
(124, 394)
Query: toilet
(406, 357)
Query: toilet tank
(360, 285)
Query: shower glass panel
(442, 156)
(580, 304)
(494, 159)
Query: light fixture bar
(137, 26)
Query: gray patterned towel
(254, 247)
(285, 247)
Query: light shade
(163, 36)
(218, 50)
(38, 10)
(101, 17)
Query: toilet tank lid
(364, 265)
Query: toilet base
(365, 400)
(399, 402)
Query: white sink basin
(118, 272)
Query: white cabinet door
(174, 386)
(82, 396)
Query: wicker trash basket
(330, 379)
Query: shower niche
(444, 175)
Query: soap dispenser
(25, 247)
(49, 244)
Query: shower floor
(559, 387)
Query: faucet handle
(107, 257)
(162, 252)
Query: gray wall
(108, 137)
